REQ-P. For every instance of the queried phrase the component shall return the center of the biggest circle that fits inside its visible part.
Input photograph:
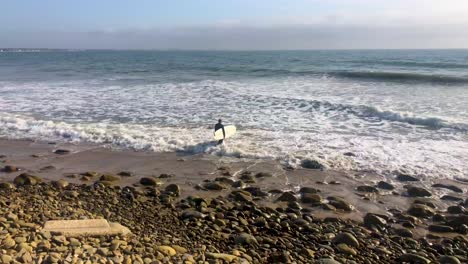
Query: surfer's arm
(224, 132)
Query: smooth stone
(340, 203)
(8, 243)
(245, 238)
(62, 151)
(85, 178)
(455, 209)
(248, 178)
(6, 259)
(173, 189)
(149, 181)
(449, 260)
(438, 218)
(311, 198)
(71, 194)
(425, 202)
(449, 187)
(242, 196)
(311, 164)
(27, 179)
(224, 180)
(60, 184)
(279, 257)
(167, 250)
(343, 248)
(179, 249)
(421, 210)
(125, 174)
(308, 190)
(91, 174)
(74, 242)
(403, 232)
(458, 220)
(214, 186)
(287, 197)
(12, 217)
(328, 207)
(406, 178)
(9, 169)
(102, 251)
(385, 186)
(225, 257)
(327, 261)
(6, 186)
(346, 238)
(440, 229)
(451, 198)
(192, 214)
(109, 178)
(239, 184)
(463, 229)
(367, 189)
(308, 252)
(383, 251)
(413, 258)
(263, 175)
(256, 191)
(371, 220)
(414, 191)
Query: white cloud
(373, 13)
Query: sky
(234, 24)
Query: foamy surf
(387, 111)
(430, 158)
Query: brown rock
(440, 229)
(109, 178)
(421, 210)
(449, 187)
(60, 184)
(27, 179)
(62, 151)
(340, 203)
(9, 169)
(367, 189)
(150, 181)
(173, 189)
(287, 197)
(311, 198)
(418, 192)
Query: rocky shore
(233, 214)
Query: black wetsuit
(220, 126)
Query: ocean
(379, 111)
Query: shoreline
(312, 192)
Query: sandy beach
(411, 219)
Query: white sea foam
(290, 119)
(429, 158)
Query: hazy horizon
(235, 25)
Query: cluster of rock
(167, 228)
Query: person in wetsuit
(219, 125)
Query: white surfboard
(229, 130)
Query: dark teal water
(431, 66)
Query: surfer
(219, 125)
